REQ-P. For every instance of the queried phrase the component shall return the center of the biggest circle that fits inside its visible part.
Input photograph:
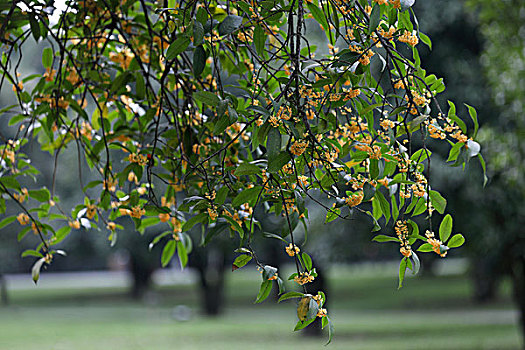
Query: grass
(368, 312)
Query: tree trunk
(3, 290)
(141, 272)
(518, 279)
(211, 265)
(486, 281)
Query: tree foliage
(193, 113)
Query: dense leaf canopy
(193, 113)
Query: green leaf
(183, 254)
(456, 241)
(402, 269)
(222, 193)
(273, 143)
(290, 295)
(222, 124)
(247, 196)
(369, 108)
(273, 235)
(259, 38)
(385, 206)
(194, 220)
(425, 40)
(22, 233)
(368, 191)
(445, 228)
(30, 252)
(202, 15)
(318, 15)
(207, 97)
(452, 115)
(474, 116)
(116, 85)
(374, 168)
(264, 291)
(198, 33)
(438, 201)
(168, 252)
(313, 309)
(177, 47)
(47, 57)
(247, 169)
(276, 163)
(483, 165)
(7, 221)
(35, 29)
(229, 24)
(10, 182)
(330, 329)
(420, 155)
(425, 247)
(199, 60)
(395, 209)
(421, 206)
(454, 151)
(241, 261)
(61, 234)
(41, 195)
(303, 324)
(384, 238)
(158, 238)
(375, 17)
(140, 86)
(332, 214)
(307, 261)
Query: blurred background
(119, 297)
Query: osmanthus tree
(196, 112)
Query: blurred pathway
(96, 279)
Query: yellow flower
(436, 244)
(91, 211)
(74, 224)
(164, 217)
(298, 147)
(213, 214)
(409, 38)
(354, 199)
(303, 278)
(137, 212)
(273, 278)
(292, 249)
(23, 219)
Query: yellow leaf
(302, 308)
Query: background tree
(503, 62)
(193, 113)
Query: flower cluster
(354, 199)
(292, 249)
(298, 147)
(436, 243)
(401, 229)
(303, 278)
(409, 38)
(23, 219)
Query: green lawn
(369, 313)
